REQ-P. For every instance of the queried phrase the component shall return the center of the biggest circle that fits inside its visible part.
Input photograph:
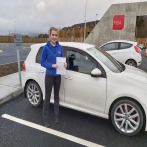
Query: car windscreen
(107, 60)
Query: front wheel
(34, 94)
(127, 117)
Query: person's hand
(55, 66)
(65, 65)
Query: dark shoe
(46, 123)
(56, 119)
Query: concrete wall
(103, 32)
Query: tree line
(38, 36)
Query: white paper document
(61, 70)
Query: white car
(124, 51)
(95, 83)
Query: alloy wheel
(33, 94)
(126, 118)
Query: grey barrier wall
(103, 31)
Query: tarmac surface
(87, 127)
(143, 65)
(8, 52)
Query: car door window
(79, 62)
(110, 46)
(125, 45)
(38, 57)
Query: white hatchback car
(95, 83)
(124, 51)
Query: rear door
(125, 52)
(41, 71)
(112, 49)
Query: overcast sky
(34, 16)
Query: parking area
(8, 53)
(85, 130)
(143, 65)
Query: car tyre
(131, 63)
(34, 94)
(127, 117)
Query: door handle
(68, 78)
(40, 71)
(114, 53)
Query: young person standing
(48, 60)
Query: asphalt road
(143, 65)
(8, 53)
(81, 125)
(90, 128)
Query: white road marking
(51, 131)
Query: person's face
(53, 36)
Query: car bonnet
(135, 73)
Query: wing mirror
(96, 73)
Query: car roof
(82, 46)
(126, 41)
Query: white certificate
(61, 70)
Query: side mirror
(96, 73)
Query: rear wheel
(34, 94)
(131, 63)
(127, 117)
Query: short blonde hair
(53, 29)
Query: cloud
(41, 6)
(34, 16)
